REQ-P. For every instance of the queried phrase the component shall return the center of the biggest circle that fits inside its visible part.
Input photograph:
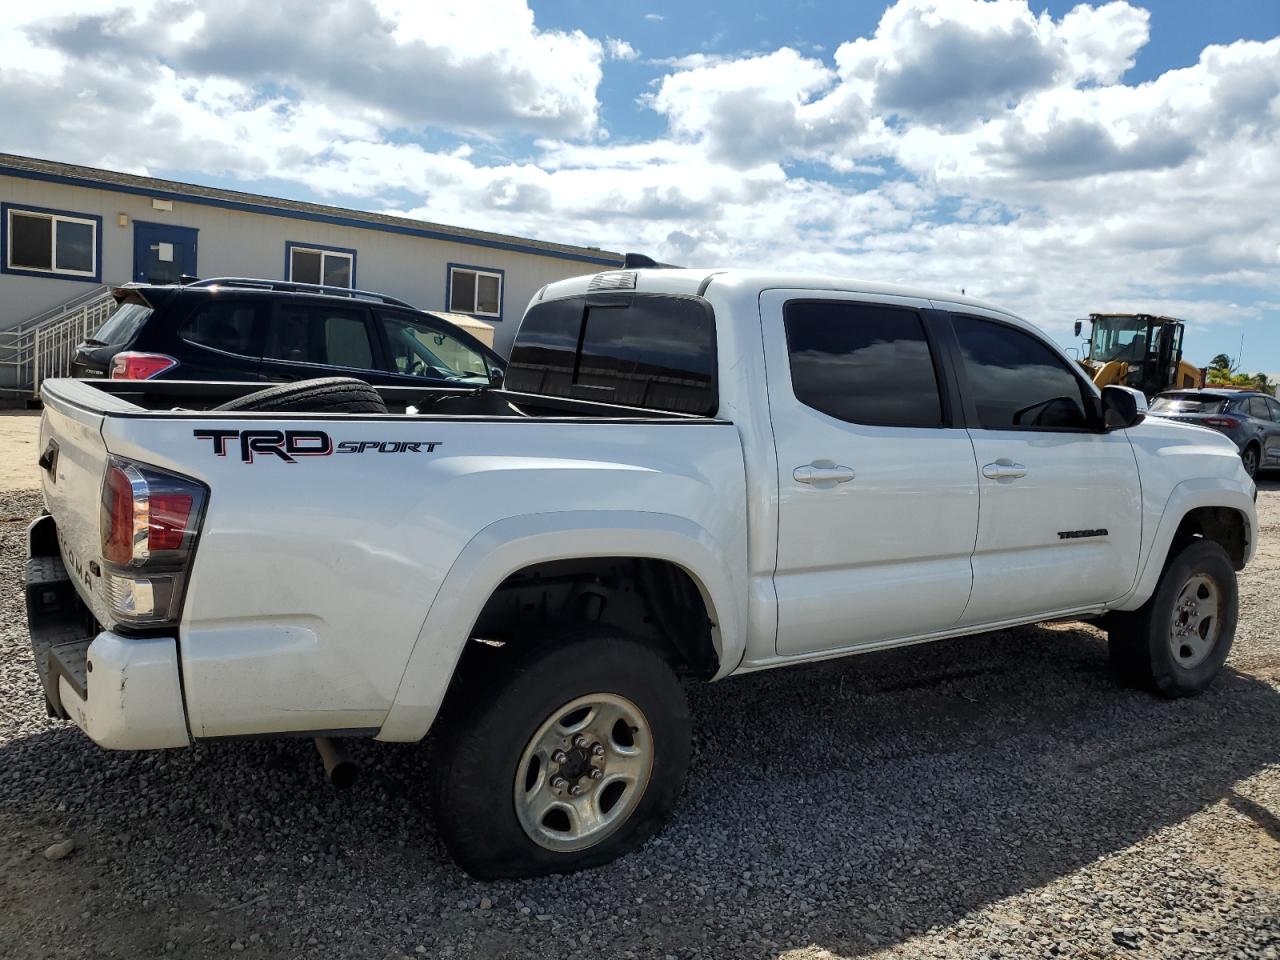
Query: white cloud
(654, 17)
(469, 65)
(963, 144)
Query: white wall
(238, 243)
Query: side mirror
(1122, 407)
(1079, 326)
(495, 378)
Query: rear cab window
(653, 351)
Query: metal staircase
(43, 346)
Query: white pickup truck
(687, 475)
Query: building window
(330, 266)
(51, 242)
(476, 291)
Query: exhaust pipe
(339, 768)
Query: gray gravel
(991, 797)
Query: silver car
(1251, 419)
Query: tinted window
(656, 352)
(862, 363)
(1274, 409)
(123, 325)
(223, 325)
(431, 350)
(334, 336)
(1187, 403)
(1016, 381)
(1258, 408)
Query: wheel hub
(583, 772)
(1194, 628)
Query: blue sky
(1053, 158)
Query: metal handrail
(44, 346)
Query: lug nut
(596, 773)
(577, 790)
(597, 750)
(560, 756)
(579, 741)
(559, 783)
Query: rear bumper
(124, 692)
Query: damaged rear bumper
(124, 692)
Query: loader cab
(1135, 350)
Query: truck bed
(176, 398)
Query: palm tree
(1221, 362)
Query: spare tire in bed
(322, 395)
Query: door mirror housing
(496, 377)
(1079, 326)
(1122, 407)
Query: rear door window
(1274, 409)
(226, 325)
(862, 363)
(655, 352)
(1015, 380)
(1258, 408)
(319, 334)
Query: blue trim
(289, 246)
(267, 210)
(49, 274)
(189, 236)
(448, 290)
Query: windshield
(1187, 403)
(1119, 338)
(123, 325)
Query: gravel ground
(990, 797)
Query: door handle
(822, 473)
(1004, 470)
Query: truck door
(878, 505)
(1060, 502)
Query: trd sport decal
(1081, 534)
(288, 445)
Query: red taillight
(140, 366)
(117, 529)
(170, 515)
(148, 516)
(1229, 422)
(150, 521)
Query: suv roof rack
(288, 286)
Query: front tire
(1251, 457)
(1178, 641)
(572, 756)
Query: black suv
(267, 330)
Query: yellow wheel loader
(1137, 350)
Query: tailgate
(73, 458)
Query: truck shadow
(876, 798)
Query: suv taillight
(1229, 422)
(150, 522)
(131, 365)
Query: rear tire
(321, 395)
(1177, 642)
(498, 807)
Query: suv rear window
(1187, 403)
(123, 325)
(655, 352)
